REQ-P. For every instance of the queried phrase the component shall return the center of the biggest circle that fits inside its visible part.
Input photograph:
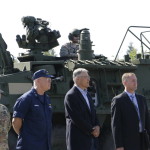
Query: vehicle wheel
(106, 139)
(59, 132)
(107, 142)
(58, 138)
(12, 139)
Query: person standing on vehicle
(70, 49)
(130, 118)
(33, 114)
(82, 125)
(4, 125)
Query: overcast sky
(107, 20)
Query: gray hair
(78, 71)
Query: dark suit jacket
(125, 122)
(79, 120)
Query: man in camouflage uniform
(4, 126)
(70, 49)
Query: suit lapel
(140, 108)
(90, 101)
(139, 104)
(128, 100)
(82, 98)
(125, 95)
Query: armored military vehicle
(15, 78)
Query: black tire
(106, 139)
(12, 139)
(107, 143)
(59, 132)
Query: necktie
(132, 97)
(132, 100)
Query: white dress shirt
(84, 93)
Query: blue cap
(41, 73)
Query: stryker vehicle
(15, 78)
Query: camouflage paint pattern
(4, 127)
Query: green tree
(132, 51)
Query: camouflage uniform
(4, 127)
(69, 50)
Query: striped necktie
(132, 97)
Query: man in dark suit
(82, 126)
(130, 117)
